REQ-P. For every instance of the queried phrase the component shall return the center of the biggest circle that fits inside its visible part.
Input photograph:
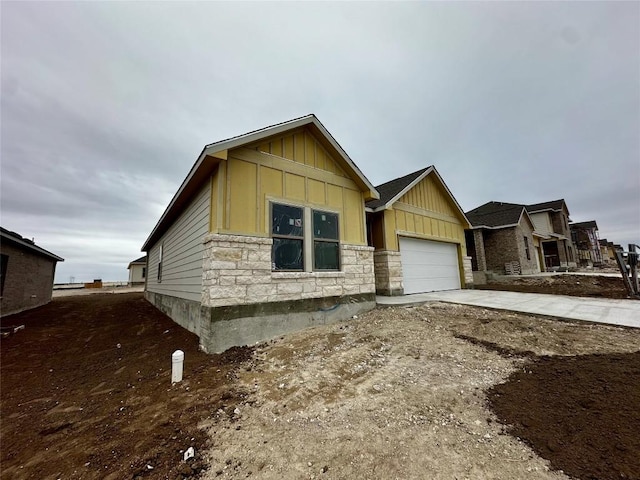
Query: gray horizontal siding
(182, 252)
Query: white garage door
(429, 266)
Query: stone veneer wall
(388, 272)
(248, 302)
(468, 272)
(237, 270)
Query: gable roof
(16, 239)
(589, 224)
(139, 261)
(213, 153)
(497, 215)
(553, 205)
(393, 190)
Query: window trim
(526, 247)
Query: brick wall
(501, 246)
(29, 280)
(527, 266)
(237, 271)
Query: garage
(429, 266)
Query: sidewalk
(601, 310)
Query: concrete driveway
(601, 310)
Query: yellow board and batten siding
(426, 211)
(294, 169)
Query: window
(160, 264)
(287, 230)
(299, 234)
(326, 246)
(144, 272)
(526, 248)
(4, 259)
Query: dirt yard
(565, 284)
(406, 393)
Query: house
(551, 220)
(26, 273)
(137, 271)
(608, 251)
(417, 230)
(266, 235)
(502, 239)
(584, 236)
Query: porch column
(481, 259)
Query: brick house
(417, 230)
(26, 273)
(584, 236)
(266, 235)
(502, 239)
(551, 220)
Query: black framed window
(526, 248)
(160, 264)
(317, 240)
(287, 230)
(326, 245)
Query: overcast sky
(106, 106)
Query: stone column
(388, 272)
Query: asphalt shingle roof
(552, 205)
(393, 187)
(495, 214)
(589, 224)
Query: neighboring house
(502, 240)
(417, 229)
(585, 238)
(266, 235)
(26, 273)
(551, 221)
(137, 271)
(608, 251)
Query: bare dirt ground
(407, 393)
(575, 285)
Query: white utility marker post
(177, 362)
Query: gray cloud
(105, 106)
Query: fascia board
(258, 135)
(224, 145)
(399, 195)
(499, 227)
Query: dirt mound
(574, 285)
(394, 393)
(86, 391)
(580, 413)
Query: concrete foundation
(248, 324)
(186, 313)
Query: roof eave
(31, 246)
(215, 152)
(419, 178)
(496, 227)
